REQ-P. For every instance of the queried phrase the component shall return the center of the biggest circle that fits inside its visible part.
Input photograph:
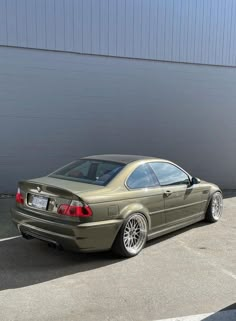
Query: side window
(169, 174)
(142, 177)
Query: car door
(182, 201)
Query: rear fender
(136, 208)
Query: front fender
(135, 208)
(213, 189)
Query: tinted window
(89, 171)
(169, 174)
(142, 177)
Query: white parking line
(10, 238)
(228, 315)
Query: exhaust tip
(54, 245)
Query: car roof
(125, 159)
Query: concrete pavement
(187, 273)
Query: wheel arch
(214, 189)
(136, 208)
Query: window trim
(177, 166)
(142, 188)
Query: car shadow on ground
(24, 263)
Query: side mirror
(195, 180)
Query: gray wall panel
(51, 26)
(69, 25)
(161, 13)
(21, 24)
(104, 25)
(129, 25)
(95, 38)
(120, 28)
(40, 24)
(145, 34)
(78, 25)
(153, 29)
(31, 18)
(193, 31)
(56, 107)
(3, 22)
(137, 27)
(11, 22)
(112, 27)
(60, 24)
(168, 31)
(87, 27)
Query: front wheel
(132, 236)
(215, 208)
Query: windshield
(89, 171)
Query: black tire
(119, 248)
(211, 215)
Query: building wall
(193, 31)
(56, 107)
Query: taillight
(19, 197)
(76, 208)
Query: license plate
(40, 202)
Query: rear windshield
(89, 171)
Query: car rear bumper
(85, 237)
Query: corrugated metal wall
(194, 31)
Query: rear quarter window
(142, 177)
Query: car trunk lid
(43, 196)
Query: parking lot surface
(187, 273)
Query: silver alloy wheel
(135, 233)
(217, 206)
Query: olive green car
(113, 202)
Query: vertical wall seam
(6, 20)
(149, 30)
(64, 15)
(172, 32)
(209, 35)
(36, 29)
(222, 49)
(99, 45)
(82, 24)
(17, 40)
(164, 44)
(195, 31)
(133, 54)
(203, 16)
(230, 41)
(108, 23)
(91, 26)
(45, 25)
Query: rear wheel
(215, 208)
(132, 236)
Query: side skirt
(176, 227)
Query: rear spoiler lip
(73, 194)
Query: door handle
(167, 193)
